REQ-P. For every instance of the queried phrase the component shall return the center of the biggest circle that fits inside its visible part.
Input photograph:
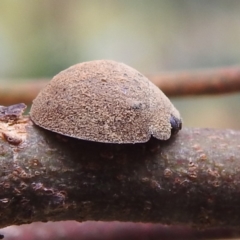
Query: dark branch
(194, 178)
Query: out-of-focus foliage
(40, 38)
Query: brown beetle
(105, 101)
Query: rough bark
(193, 178)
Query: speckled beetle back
(104, 101)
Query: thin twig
(114, 230)
(13, 91)
(212, 81)
(215, 81)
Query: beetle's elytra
(105, 101)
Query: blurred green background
(42, 37)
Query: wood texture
(193, 178)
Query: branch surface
(215, 81)
(212, 81)
(193, 178)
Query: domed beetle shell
(105, 101)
